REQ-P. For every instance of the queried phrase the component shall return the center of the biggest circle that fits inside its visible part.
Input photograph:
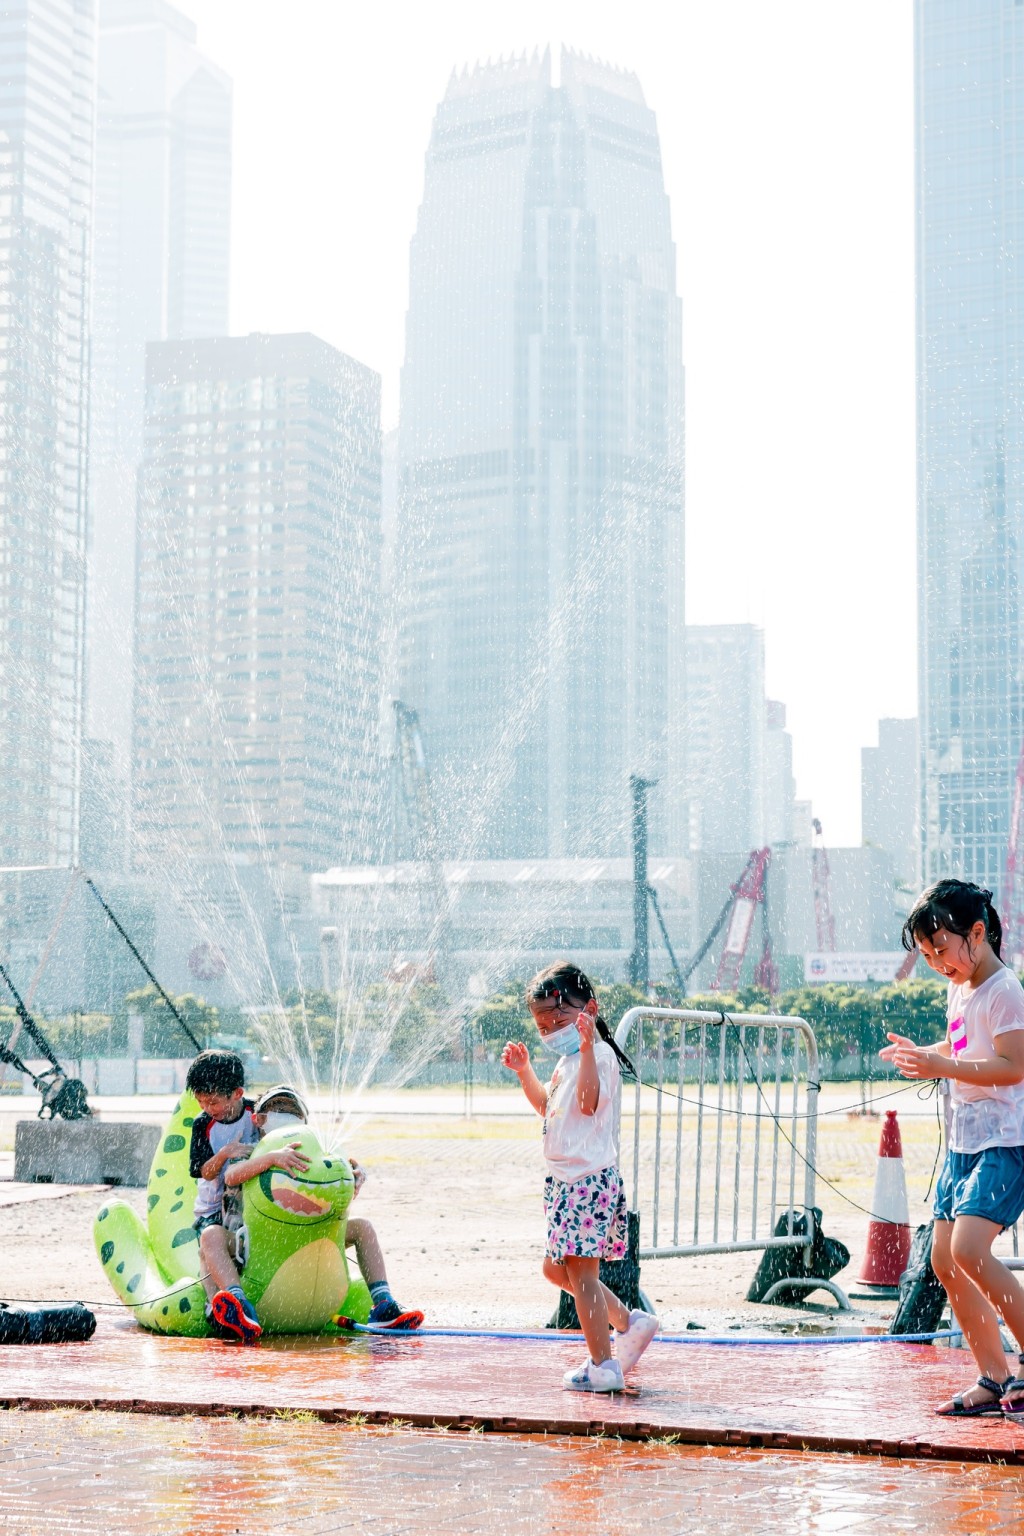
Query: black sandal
(962, 1410)
(1014, 1408)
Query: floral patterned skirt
(587, 1218)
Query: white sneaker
(629, 1346)
(589, 1377)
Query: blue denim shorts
(988, 1184)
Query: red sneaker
(237, 1315)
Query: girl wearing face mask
(584, 1197)
(981, 1188)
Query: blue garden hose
(694, 1337)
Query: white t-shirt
(220, 1133)
(984, 1117)
(577, 1144)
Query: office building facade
(162, 247)
(889, 797)
(540, 466)
(257, 620)
(970, 428)
(46, 166)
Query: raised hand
(586, 1027)
(888, 1052)
(910, 1060)
(515, 1056)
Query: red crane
(824, 922)
(749, 893)
(1012, 902)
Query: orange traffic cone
(889, 1233)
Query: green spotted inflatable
(296, 1272)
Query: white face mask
(274, 1119)
(562, 1042)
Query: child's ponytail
(992, 923)
(563, 979)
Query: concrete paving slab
(867, 1399)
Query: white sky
(787, 140)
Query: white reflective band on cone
(890, 1202)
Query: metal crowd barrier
(728, 1144)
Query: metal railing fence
(728, 1144)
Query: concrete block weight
(84, 1152)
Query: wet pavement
(85, 1473)
(868, 1399)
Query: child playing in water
(981, 1188)
(223, 1133)
(279, 1107)
(584, 1197)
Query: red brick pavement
(872, 1399)
(85, 1474)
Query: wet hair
(216, 1072)
(955, 905)
(563, 979)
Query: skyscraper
(540, 463)
(889, 796)
(970, 427)
(727, 724)
(47, 49)
(162, 240)
(257, 625)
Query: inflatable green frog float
(295, 1274)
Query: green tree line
(847, 1021)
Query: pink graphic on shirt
(958, 1036)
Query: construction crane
(419, 802)
(1011, 905)
(823, 920)
(749, 893)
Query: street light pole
(639, 960)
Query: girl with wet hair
(584, 1196)
(981, 1188)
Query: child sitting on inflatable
(223, 1132)
(224, 1251)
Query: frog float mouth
(313, 1199)
(284, 1193)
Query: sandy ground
(456, 1202)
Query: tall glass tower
(161, 258)
(970, 426)
(47, 113)
(540, 465)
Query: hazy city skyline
(540, 465)
(792, 208)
